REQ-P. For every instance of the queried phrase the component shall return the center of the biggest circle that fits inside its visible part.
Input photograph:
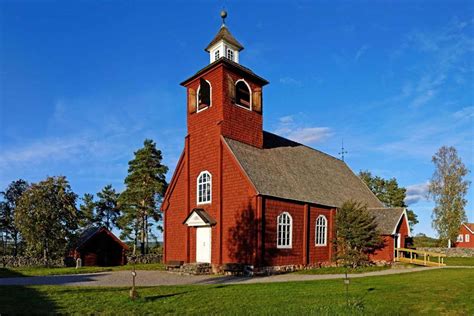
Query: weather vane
(343, 151)
(223, 16)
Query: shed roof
(387, 218)
(289, 170)
(91, 231)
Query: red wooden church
(241, 194)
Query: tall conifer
(145, 187)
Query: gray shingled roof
(225, 34)
(289, 170)
(387, 218)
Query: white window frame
(217, 54)
(198, 187)
(321, 230)
(467, 238)
(229, 52)
(197, 97)
(250, 95)
(287, 228)
(460, 238)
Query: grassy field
(440, 291)
(342, 270)
(460, 261)
(40, 271)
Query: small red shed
(98, 246)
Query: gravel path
(154, 278)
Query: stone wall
(149, 258)
(25, 261)
(450, 252)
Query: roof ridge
(314, 149)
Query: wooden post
(424, 258)
(411, 256)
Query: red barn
(466, 236)
(240, 194)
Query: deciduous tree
(145, 187)
(448, 188)
(8, 205)
(46, 217)
(389, 193)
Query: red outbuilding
(98, 246)
(241, 194)
(466, 236)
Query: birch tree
(448, 188)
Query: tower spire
(224, 44)
(223, 16)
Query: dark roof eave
(227, 63)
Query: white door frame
(203, 244)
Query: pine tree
(448, 189)
(107, 210)
(46, 217)
(145, 187)
(357, 234)
(8, 206)
(87, 211)
(389, 193)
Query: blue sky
(83, 83)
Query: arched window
(243, 94)
(284, 230)
(204, 188)
(203, 95)
(321, 230)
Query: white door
(203, 244)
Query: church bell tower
(225, 98)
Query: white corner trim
(404, 213)
(468, 228)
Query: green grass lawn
(39, 271)
(459, 261)
(440, 291)
(342, 270)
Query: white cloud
(361, 51)
(416, 193)
(465, 113)
(309, 135)
(295, 131)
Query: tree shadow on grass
(25, 300)
(9, 273)
(159, 297)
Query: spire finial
(223, 16)
(343, 151)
